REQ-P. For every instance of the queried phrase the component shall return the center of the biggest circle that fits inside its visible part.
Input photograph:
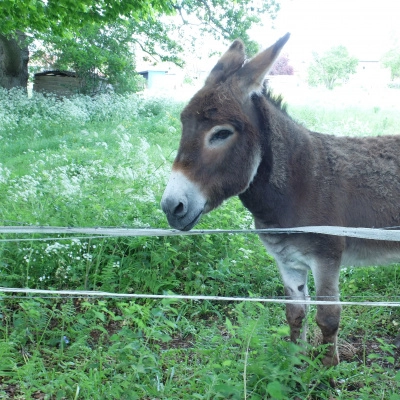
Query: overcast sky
(367, 28)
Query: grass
(105, 162)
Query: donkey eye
(220, 135)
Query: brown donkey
(236, 140)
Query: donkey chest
(288, 253)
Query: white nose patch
(182, 201)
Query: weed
(104, 162)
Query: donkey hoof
(327, 360)
(330, 360)
(396, 342)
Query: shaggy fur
(287, 176)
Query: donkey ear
(230, 62)
(252, 75)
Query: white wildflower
(4, 174)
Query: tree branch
(143, 48)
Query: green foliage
(221, 19)
(331, 67)
(65, 15)
(391, 60)
(104, 162)
(345, 120)
(94, 52)
(227, 20)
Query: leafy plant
(104, 162)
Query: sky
(367, 28)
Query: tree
(391, 60)
(92, 52)
(107, 51)
(63, 18)
(332, 66)
(282, 66)
(14, 57)
(226, 20)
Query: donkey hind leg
(295, 282)
(328, 317)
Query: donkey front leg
(328, 316)
(295, 282)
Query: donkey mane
(276, 99)
(274, 168)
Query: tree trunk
(14, 57)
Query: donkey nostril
(179, 209)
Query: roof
(56, 73)
(152, 70)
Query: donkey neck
(285, 154)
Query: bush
(92, 52)
(281, 66)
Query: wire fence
(383, 234)
(278, 300)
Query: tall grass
(104, 162)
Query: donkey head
(220, 151)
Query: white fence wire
(385, 234)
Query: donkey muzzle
(182, 202)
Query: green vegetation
(64, 15)
(332, 67)
(108, 32)
(104, 162)
(92, 51)
(391, 60)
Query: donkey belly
(298, 252)
(361, 252)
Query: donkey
(236, 140)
